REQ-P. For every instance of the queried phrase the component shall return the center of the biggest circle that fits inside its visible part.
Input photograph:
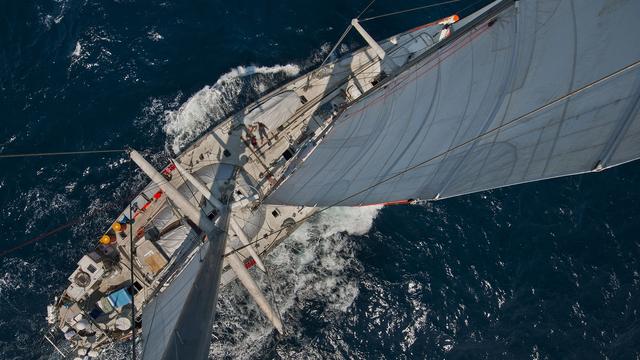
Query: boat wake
(232, 91)
(313, 271)
(242, 71)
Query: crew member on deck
(251, 138)
(262, 131)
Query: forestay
(539, 90)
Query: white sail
(536, 90)
(177, 323)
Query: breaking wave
(242, 71)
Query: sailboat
(518, 91)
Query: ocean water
(539, 271)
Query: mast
(177, 323)
(237, 229)
(198, 217)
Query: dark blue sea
(549, 270)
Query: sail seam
(624, 122)
(490, 118)
(571, 84)
(418, 74)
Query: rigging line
(50, 232)
(40, 237)
(133, 307)
(367, 65)
(461, 11)
(344, 34)
(365, 9)
(260, 239)
(132, 252)
(497, 128)
(189, 187)
(235, 250)
(245, 220)
(408, 10)
(85, 152)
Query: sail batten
(541, 90)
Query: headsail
(539, 90)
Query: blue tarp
(119, 298)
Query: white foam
(77, 51)
(197, 114)
(316, 263)
(242, 71)
(213, 103)
(77, 54)
(154, 36)
(355, 221)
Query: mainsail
(529, 91)
(177, 323)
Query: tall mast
(237, 229)
(198, 217)
(177, 323)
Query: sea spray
(242, 71)
(315, 262)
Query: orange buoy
(105, 240)
(117, 227)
